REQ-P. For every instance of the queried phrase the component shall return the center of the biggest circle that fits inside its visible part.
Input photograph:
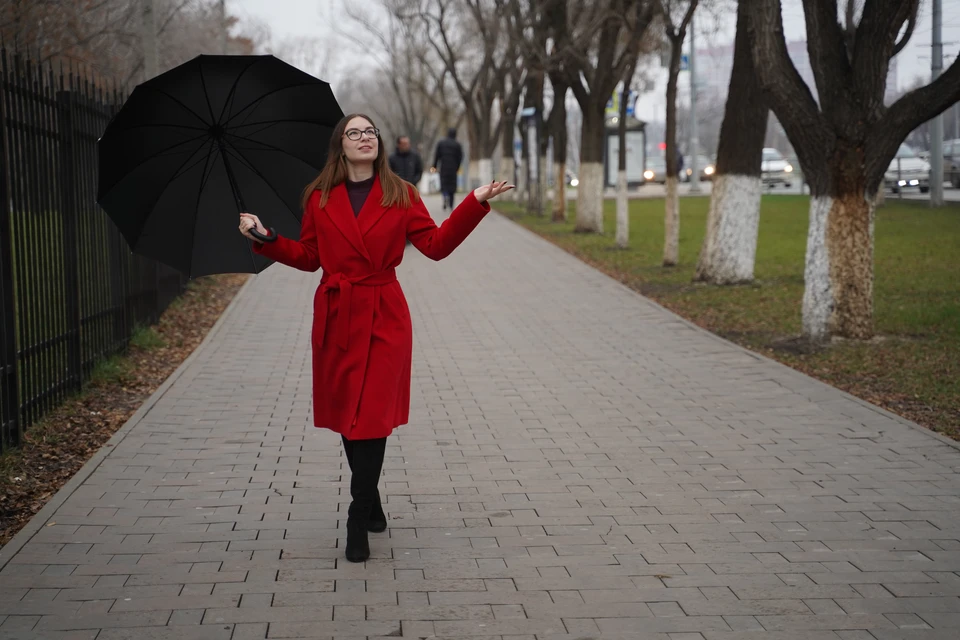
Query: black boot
(366, 460)
(378, 519)
(377, 522)
(358, 547)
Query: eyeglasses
(356, 134)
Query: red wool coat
(362, 336)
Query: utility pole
(936, 126)
(148, 39)
(223, 27)
(694, 134)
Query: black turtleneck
(358, 192)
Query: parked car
(775, 169)
(907, 170)
(656, 170)
(705, 167)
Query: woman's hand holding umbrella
(250, 224)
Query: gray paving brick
(578, 464)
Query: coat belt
(338, 281)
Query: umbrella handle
(262, 238)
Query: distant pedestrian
(449, 155)
(406, 162)
(356, 214)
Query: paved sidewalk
(580, 464)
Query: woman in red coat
(357, 217)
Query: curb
(790, 371)
(36, 523)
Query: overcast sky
(316, 18)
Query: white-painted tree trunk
(623, 215)
(671, 225)
(506, 173)
(590, 197)
(484, 171)
(838, 273)
(730, 248)
(818, 301)
(544, 185)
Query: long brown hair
(396, 191)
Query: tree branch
(786, 92)
(906, 114)
(911, 25)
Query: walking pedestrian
(448, 155)
(406, 162)
(356, 215)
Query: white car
(774, 168)
(907, 170)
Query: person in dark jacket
(448, 156)
(406, 162)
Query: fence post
(9, 393)
(71, 237)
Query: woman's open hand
(249, 221)
(492, 190)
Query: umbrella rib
(157, 199)
(163, 125)
(271, 147)
(203, 183)
(252, 168)
(206, 94)
(233, 90)
(267, 95)
(159, 154)
(185, 107)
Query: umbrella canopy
(196, 145)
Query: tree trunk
(507, 172)
(590, 189)
(729, 248)
(558, 130)
(838, 275)
(623, 213)
(544, 183)
(484, 167)
(560, 193)
(508, 166)
(671, 223)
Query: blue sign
(684, 62)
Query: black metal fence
(70, 289)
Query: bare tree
(105, 35)
(596, 42)
(534, 25)
(476, 52)
(676, 16)
(408, 70)
(846, 141)
(733, 221)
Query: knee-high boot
(367, 463)
(377, 523)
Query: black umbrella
(196, 145)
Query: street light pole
(694, 133)
(936, 126)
